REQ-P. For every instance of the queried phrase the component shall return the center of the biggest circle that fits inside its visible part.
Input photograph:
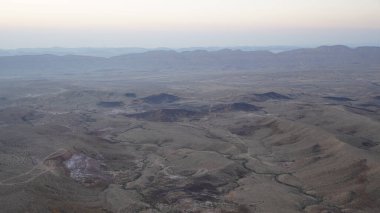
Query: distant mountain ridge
(110, 52)
(321, 58)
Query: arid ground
(219, 142)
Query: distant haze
(185, 23)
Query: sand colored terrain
(220, 142)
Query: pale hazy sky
(184, 23)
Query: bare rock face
(86, 170)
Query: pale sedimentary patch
(86, 170)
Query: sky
(187, 23)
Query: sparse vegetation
(213, 141)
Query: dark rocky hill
(270, 96)
(160, 98)
(241, 106)
(166, 115)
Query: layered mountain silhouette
(321, 58)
